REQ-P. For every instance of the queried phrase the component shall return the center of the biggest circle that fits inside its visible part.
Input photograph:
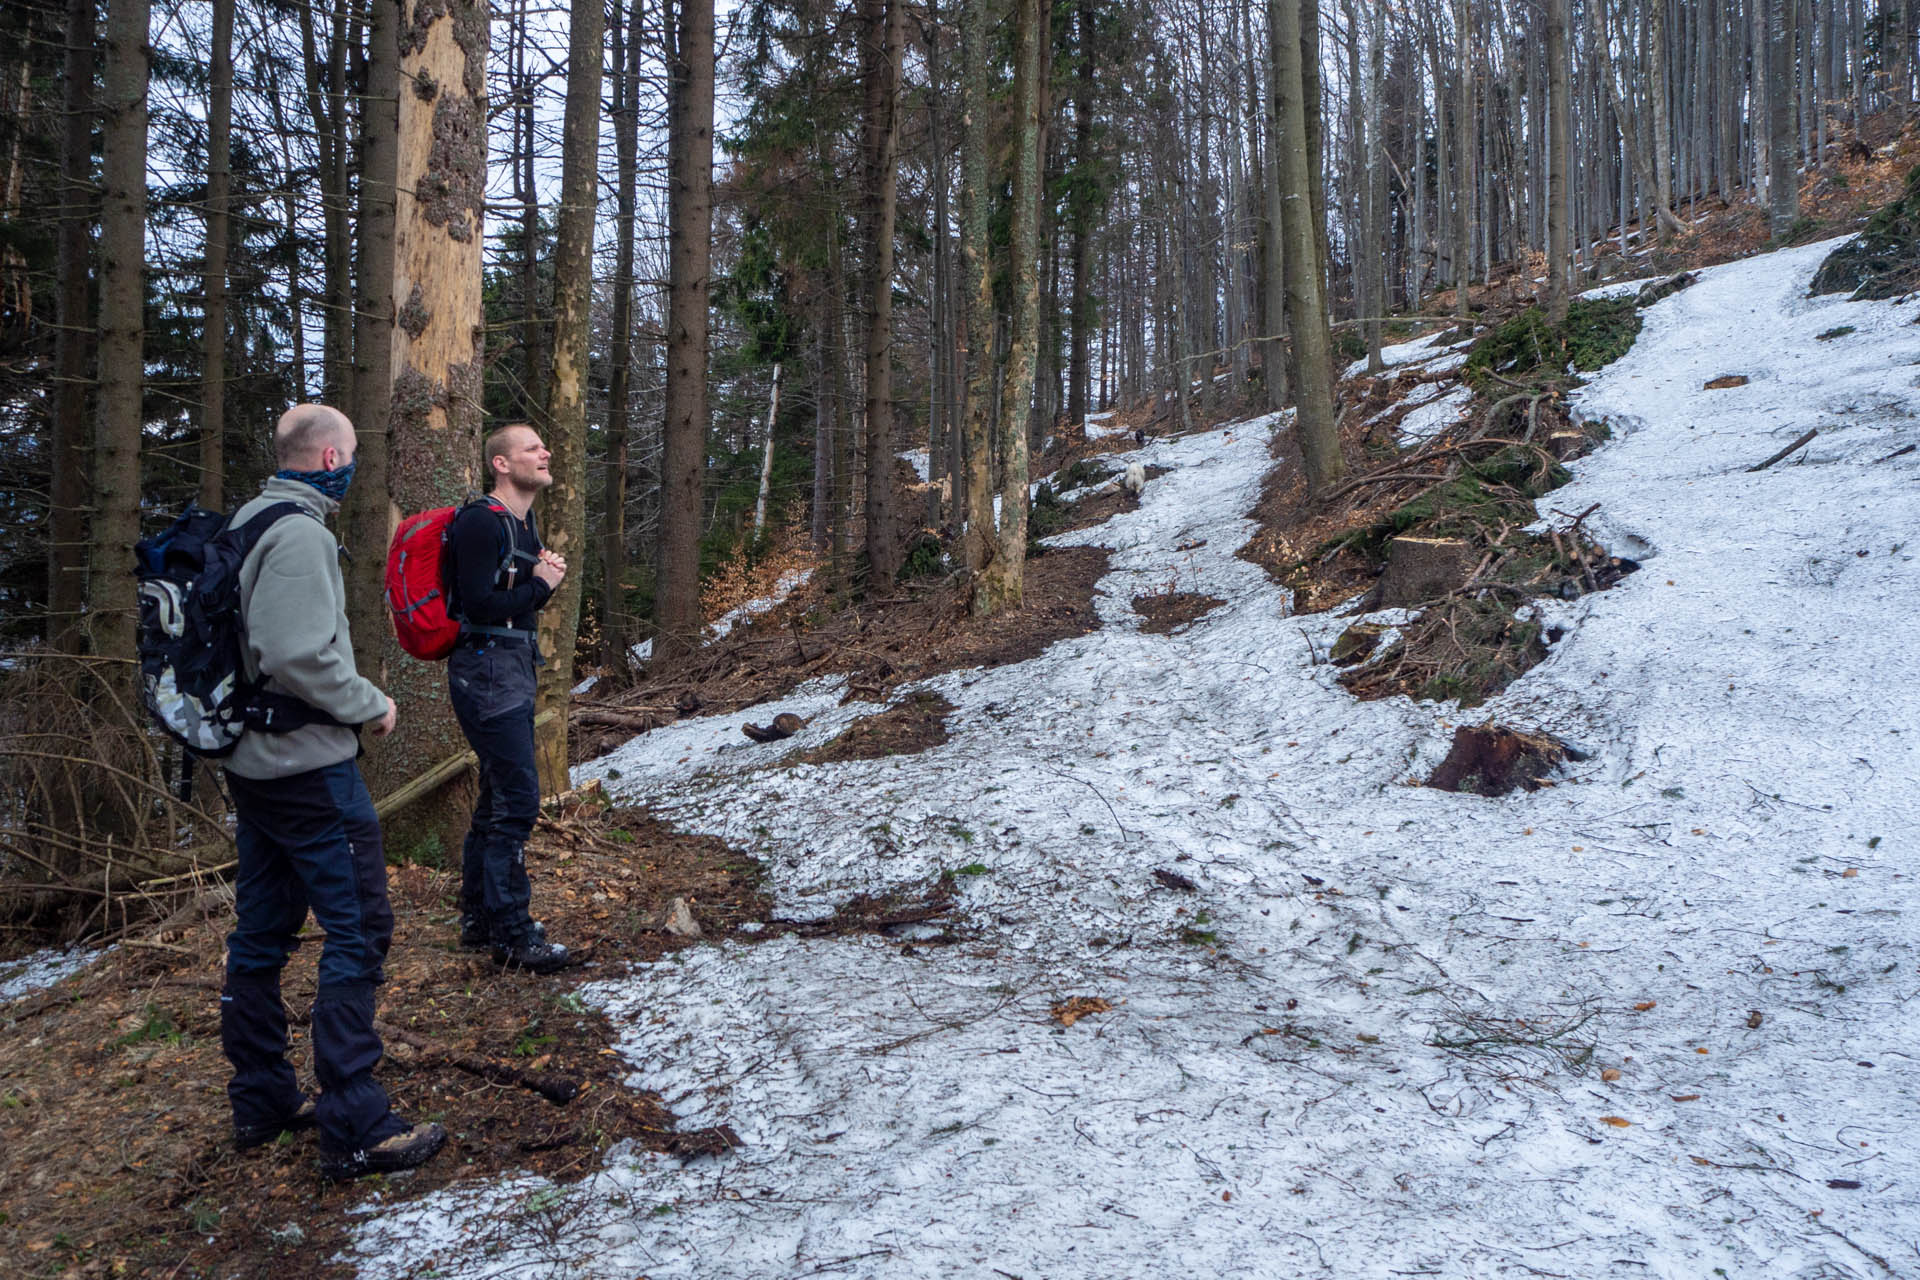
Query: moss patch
(1884, 262)
(1531, 350)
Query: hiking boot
(248, 1136)
(477, 935)
(535, 954)
(408, 1149)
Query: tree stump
(1421, 569)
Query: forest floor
(1123, 920)
(1224, 989)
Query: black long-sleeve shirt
(483, 592)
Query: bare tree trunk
(534, 363)
(977, 21)
(1275, 357)
(213, 377)
(1783, 179)
(690, 248)
(883, 32)
(564, 508)
(370, 513)
(999, 587)
(439, 342)
(116, 438)
(616, 625)
(1080, 217)
(1306, 276)
(1559, 156)
(1464, 150)
(67, 537)
(766, 459)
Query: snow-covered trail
(1380, 1051)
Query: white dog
(1135, 480)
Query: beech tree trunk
(677, 620)
(977, 21)
(1306, 288)
(1559, 157)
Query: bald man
(306, 832)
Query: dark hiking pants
(309, 841)
(492, 687)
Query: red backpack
(416, 583)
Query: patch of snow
(1370, 1043)
(43, 969)
(922, 463)
(789, 582)
(1428, 352)
(585, 686)
(1437, 414)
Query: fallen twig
(557, 1089)
(1811, 433)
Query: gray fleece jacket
(293, 604)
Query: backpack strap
(509, 564)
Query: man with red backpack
(498, 576)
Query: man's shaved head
(306, 431)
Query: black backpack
(190, 636)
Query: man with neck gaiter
(499, 578)
(307, 834)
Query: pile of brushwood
(1461, 504)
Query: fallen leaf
(1684, 1097)
(1645, 1005)
(1725, 381)
(1703, 1160)
(1850, 873)
(1755, 1018)
(1068, 1012)
(1701, 1049)
(1617, 1122)
(1364, 1038)
(1228, 1195)
(1610, 1074)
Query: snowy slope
(1389, 1062)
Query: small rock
(288, 1236)
(680, 922)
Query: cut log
(1422, 569)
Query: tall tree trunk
(1464, 150)
(438, 341)
(616, 625)
(564, 508)
(977, 21)
(1000, 585)
(370, 513)
(535, 364)
(1306, 287)
(68, 493)
(213, 376)
(1080, 216)
(1783, 179)
(882, 34)
(1275, 357)
(1559, 156)
(677, 618)
(123, 239)
(766, 457)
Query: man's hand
(550, 569)
(384, 725)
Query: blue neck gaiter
(331, 483)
